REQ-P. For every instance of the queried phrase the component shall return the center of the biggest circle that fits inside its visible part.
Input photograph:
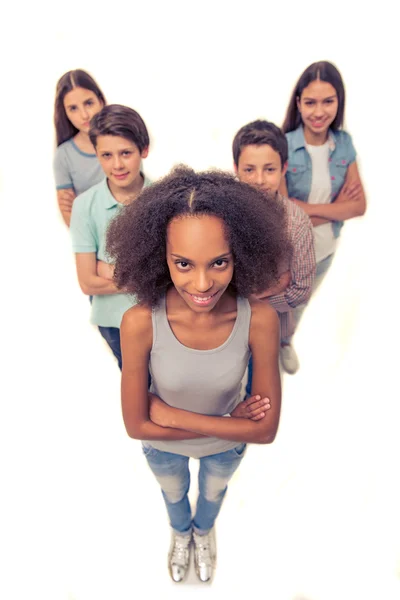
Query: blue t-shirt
(299, 172)
(75, 169)
(92, 213)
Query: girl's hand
(160, 412)
(105, 270)
(66, 199)
(353, 191)
(254, 408)
(350, 192)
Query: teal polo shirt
(92, 212)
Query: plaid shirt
(302, 267)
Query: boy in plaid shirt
(260, 154)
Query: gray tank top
(202, 381)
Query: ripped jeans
(173, 475)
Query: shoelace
(203, 553)
(179, 551)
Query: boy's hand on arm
(105, 270)
(91, 284)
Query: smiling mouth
(202, 300)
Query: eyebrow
(225, 255)
(270, 164)
(127, 149)
(327, 98)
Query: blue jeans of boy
(321, 271)
(173, 475)
(111, 335)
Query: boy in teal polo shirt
(121, 140)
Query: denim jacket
(299, 173)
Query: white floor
(312, 517)
(316, 515)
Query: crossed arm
(349, 203)
(295, 286)
(90, 282)
(158, 421)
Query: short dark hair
(255, 226)
(324, 71)
(70, 80)
(257, 133)
(122, 121)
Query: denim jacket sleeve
(299, 173)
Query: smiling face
(120, 159)
(260, 166)
(80, 106)
(199, 259)
(318, 106)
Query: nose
(319, 110)
(117, 163)
(84, 114)
(203, 282)
(260, 178)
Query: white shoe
(289, 359)
(179, 555)
(205, 555)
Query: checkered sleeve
(302, 267)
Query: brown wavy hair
(255, 224)
(325, 71)
(70, 80)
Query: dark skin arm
(136, 342)
(264, 344)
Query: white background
(314, 516)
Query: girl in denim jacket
(322, 175)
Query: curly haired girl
(193, 247)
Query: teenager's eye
(182, 264)
(127, 153)
(89, 102)
(271, 170)
(248, 170)
(106, 155)
(72, 108)
(221, 263)
(309, 102)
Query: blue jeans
(321, 271)
(173, 475)
(111, 335)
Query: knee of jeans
(174, 489)
(214, 488)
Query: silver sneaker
(178, 557)
(289, 359)
(205, 555)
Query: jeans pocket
(239, 450)
(147, 449)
